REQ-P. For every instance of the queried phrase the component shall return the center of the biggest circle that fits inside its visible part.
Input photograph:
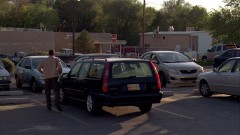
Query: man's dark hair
(51, 52)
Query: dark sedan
(218, 60)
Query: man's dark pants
(52, 83)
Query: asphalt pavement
(16, 96)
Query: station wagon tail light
(105, 79)
(157, 76)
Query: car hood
(183, 65)
(4, 72)
(64, 70)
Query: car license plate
(132, 87)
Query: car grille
(186, 79)
(191, 71)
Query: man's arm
(59, 67)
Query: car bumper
(182, 79)
(127, 100)
(4, 84)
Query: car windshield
(131, 70)
(37, 61)
(173, 57)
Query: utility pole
(73, 27)
(143, 26)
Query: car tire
(204, 89)
(92, 107)
(162, 79)
(34, 87)
(145, 108)
(7, 88)
(18, 83)
(63, 98)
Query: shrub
(8, 64)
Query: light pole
(143, 26)
(73, 26)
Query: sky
(208, 4)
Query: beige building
(182, 41)
(31, 40)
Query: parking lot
(184, 113)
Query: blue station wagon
(112, 82)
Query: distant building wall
(26, 41)
(17, 40)
(167, 42)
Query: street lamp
(73, 26)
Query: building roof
(176, 32)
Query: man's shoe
(59, 108)
(49, 108)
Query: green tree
(84, 44)
(124, 18)
(179, 14)
(225, 25)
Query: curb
(12, 97)
(11, 93)
(167, 94)
(14, 100)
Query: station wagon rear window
(131, 70)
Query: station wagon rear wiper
(132, 76)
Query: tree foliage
(121, 17)
(84, 43)
(225, 25)
(27, 15)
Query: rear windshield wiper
(132, 76)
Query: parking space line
(65, 114)
(173, 113)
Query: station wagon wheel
(18, 83)
(204, 89)
(63, 98)
(145, 108)
(92, 108)
(7, 88)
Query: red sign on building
(114, 37)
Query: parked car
(216, 50)
(219, 59)
(224, 79)
(18, 56)
(112, 82)
(174, 67)
(4, 78)
(93, 55)
(27, 73)
(67, 59)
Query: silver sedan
(224, 79)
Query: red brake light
(157, 76)
(105, 79)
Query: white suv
(216, 50)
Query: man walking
(51, 68)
